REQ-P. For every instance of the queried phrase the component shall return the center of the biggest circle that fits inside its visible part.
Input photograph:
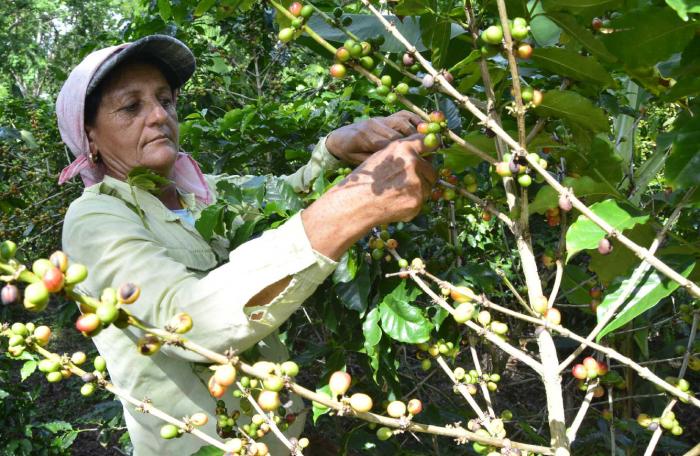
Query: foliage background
(257, 107)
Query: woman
(116, 111)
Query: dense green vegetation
(608, 100)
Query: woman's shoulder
(94, 202)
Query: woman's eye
(131, 107)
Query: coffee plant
(544, 302)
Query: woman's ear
(90, 133)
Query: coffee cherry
(100, 364)
(19, 329)
(355, 49)
(42, 335)
(7, 250)
(107, 313)
(484, 318)
(361, 402)
(148, 344)
(431, 140)
(492, 35)
(384, 433)
(225, 374)
(273, 383)
(199, 419)
(53, 279)
(40, 266)
(643, 420)
(463, 312)
(169, 431)
(36, 296)
(434, 127)
(553, 316)
(386, 80)
(408, 59)
(524, 180)
(525, 51)
(216, 389)
(54, 377)
(422, 128)
(391, 98)
(596, 23)
(49, 365)
(540, 305)
(518, 32)
(414, 407)
(342, 54)
(87, 389)
(537, 97)
(87, 323)
(579, 372)
(339, 383)
(9, 294)
(338, 70)
(417, 263)
(565, 203)
(401, 88)
(289, 368)
(499, 328)
(425, 365)
(15, 341)
(503, 169)
(605, 246)
(437, 116)
(295, 8)
(307, 11)
(180, 323)
(396, 409)
(367, 62)
(428, 81)
(75, 274)
(526, 93)
(392, 244)
(78, 358)
(598, 391)
(449, 194)
(591, 365)
(60, 260)
(269, 400)
(128, 293)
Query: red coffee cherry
(579, 372)
(605, 246)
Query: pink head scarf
(70, 106)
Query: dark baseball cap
(169, 53)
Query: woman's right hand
(390, 186)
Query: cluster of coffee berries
(496, 426)
(686, 311)
(379, 244)
(352, 50)
(517, 166)
(491, 38)
(390, 92)
(223, 377)
(433, 350)
(589, 369)
(226, 423)
(596, 294)
(301, 13)
(339, 384)
(21, 335)
(469, 181)
(97, 315)
(266, 392)
(428, 80)
(48, 275)
(437, 123)
(680, 383)
(90, 378)
(551, 314)
(531, 96)
(401, 411)
(667, 422)
(471, 378)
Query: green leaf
(646, 292)
(146, 179)
(573, 65)
(458, 159)
(28, 138)
(208, 451)
(647, 36)
(402, 321)
(683, 7)
(28, 369)
(684, 162)
(210, 221)
(571, 285)
(583, 187)
(584, 234)
(544, 31)
(371, 329)
(347, 267)
(581, 34)
(354, 294)
(435, 33)
(412, 7)
(621, 261)
(585, 8)
(56, 426)
(574, 108)
(318, 408)
(641, 338)
(202, 7)
(164, 9)
(3, 394)
(601, 162)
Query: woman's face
(136, 123)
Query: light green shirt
(176, 270)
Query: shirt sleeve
(321, 160)
(117, 248)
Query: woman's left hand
(354, 143)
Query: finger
(404, 122)
(412, 117)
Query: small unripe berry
(128, 293)
(40, 266)
(269, 400)
(42, 335)
(180, 323)
(60, 260)
(107, 313)
(87, 389)
(286, 34)
(78, 358)
(484, 318)
(414, 407)
(225, 374)
(54, 377)
(524, 51)
(36, 296)
(338, 70)
(540, 305)
(553, 316)
(149, 344)
(524, 180)
(100, 364)
(75, 274)
(87, 323)
(307, 11)
(7, 250)
(289, 368)
(463, 312)
(199, 419)
(169, 431)
(384, 433)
